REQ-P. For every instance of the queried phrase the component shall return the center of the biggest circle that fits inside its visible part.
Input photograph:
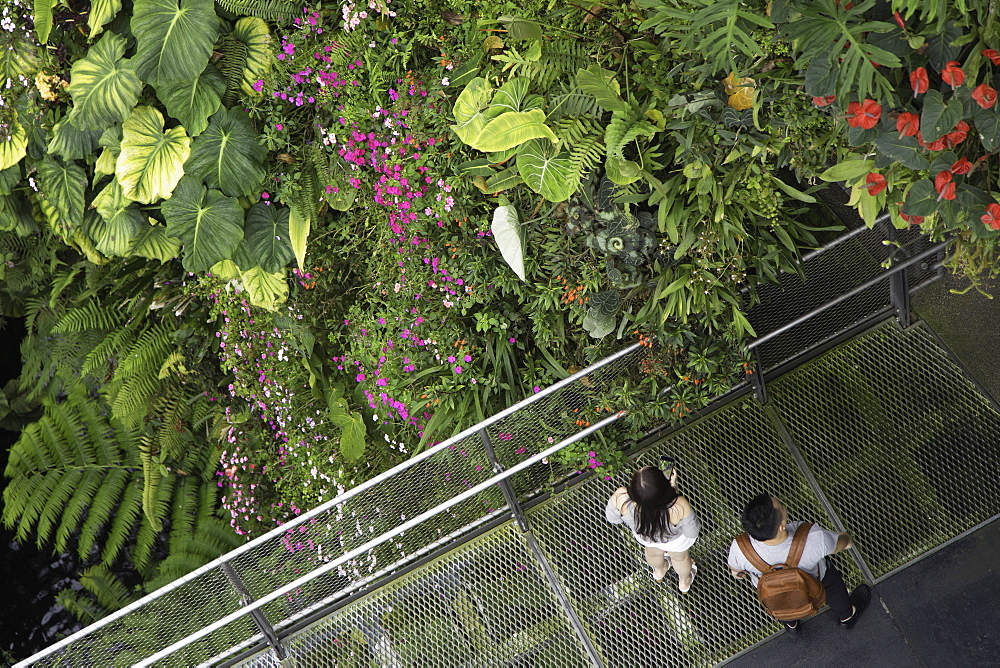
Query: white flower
(445, 81)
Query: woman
(660, 519)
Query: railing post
(246, 598)
(536, 550)
(899, 284)
(755, 375)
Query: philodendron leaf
(266, 289)
(71, 143)
(601, 83)
(208, 223)
(507, 232)
(155, 243)
(549, 174)
(174, 38)
(102, 12)
(15, 146)
(119, 221)
(938, 117)
(42, 16)
(63, 185)
(510, 96)
(151, 161)
(469, 110)
(298, 233)
(905, 150)
(252, 32)
(267, 236)
(192, 102)
(227, 155)
(513, 129)
(104, 86)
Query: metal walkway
(884, 436)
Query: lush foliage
(266, 251)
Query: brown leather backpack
(787, 592)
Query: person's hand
(739, 575)
(673, 477)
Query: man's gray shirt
(819, 543)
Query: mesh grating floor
(899, 440)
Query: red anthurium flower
(944, 185)
(875, 183)
(823, 101)
(962, 166)
(912, 220)
(899, 20)
(952, 74)
(992, 217)
(936, 145)
(907, 124)
(993, 55)
(864, 114)
(984, 96)
(957, 136)
(918, 81)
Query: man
(765, 519)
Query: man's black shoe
(860, 598)
(794, 629)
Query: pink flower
(458, 369)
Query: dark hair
(653, 495)
(760, 517)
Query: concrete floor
(943, 610)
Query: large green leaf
(352, 436)
(253, 33)
(119, 221)
(174, 38)
(101, 12)
(155, 243)
(18, 56)
(513, 129)
(227, 155)
(42, 16)
(63, 185)
(267, 236)
(71, 143)
(509, 237)
(15, 145)
(988, 124)
(266, 289)
(905, 150)
(510, 96)
(469, 110)
(937, 117)
(601, 83)
(104, 86)
(151, 161)
(298, 233)
(549, 174)
(192, 102)
(208, 223)
(921, 200)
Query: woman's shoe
(680, 585)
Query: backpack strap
(743, 541)
(798, 545)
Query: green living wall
(265, 251)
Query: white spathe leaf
(507, 232)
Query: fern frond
(90, 316)
(587, 155)
(110, 592)
(124, 522)
(270, 10)
(148, 352)
(79, 504)
(624, 128)
(103, 505)
(151, 477)
(235, 55)
(82, 607)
